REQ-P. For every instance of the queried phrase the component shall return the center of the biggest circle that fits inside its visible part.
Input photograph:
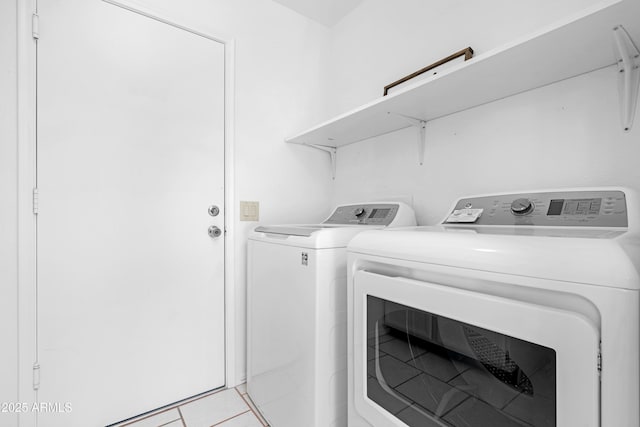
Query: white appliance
(297, 314)
(518, 310)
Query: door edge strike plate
(421, 125)
(333, 153)
(628, 59)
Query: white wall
(381, 41)
(8, 212)
(563, 135)
(566, 134)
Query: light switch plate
(249, 211)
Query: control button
(359, 212)
(521, 206)
(468, 206)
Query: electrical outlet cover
(249, 211)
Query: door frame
(27, 181)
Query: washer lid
(291, 230)
(312, 236)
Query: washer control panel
(365, 214)
(563, 208)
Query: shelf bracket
(333, 153)
(421, 126)
(628, 58)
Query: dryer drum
(497, 361)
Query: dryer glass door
(425, 367)
(432, 355)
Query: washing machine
(296, 314)
(517, 310)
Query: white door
(130, 156)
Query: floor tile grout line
(250, 407)
(450, 410)
(230, 418)
(184, 423)
(172, 421)
(259, 417)
(169, 408)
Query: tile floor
(420, 383)
(224, 408)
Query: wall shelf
(577, 45)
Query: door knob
(213, 210)
(214, 231)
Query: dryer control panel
(562, 208)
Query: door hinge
(36, 376)
(35, 26)
(35, 201)
(600, 359)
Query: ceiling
(326, 12)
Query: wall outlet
(249, 211)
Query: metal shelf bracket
(421, 125)
(628, 58)
(333, 153)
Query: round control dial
(521, 206)
(358, 212)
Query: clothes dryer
(518, 310)
(296, 314)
